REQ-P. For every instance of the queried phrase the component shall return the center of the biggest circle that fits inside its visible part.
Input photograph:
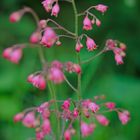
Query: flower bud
(55, 10)
(87, 25)
(102, 120)
(98, 22)
(42, 23)
(35, 37)
(91, 45)
(15, 16)
(101, 8)
(18, 117)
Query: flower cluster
(39, 117)
(69, 111)
(118, 49)
(53, 72)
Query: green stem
(79, 62)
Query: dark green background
(120, 84)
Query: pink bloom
(55, 10)
(90, 44)
(29, 120)
(76, 68)
(110, 105)
(42, 23)
(67, 135)
(57, 64)
(101, 8)
(78, 47)
(35, 37)
(75, 112)
(38, 81)
(18, 117)
(49, 37)
(66, 104)
(86, 112)
(39, 135)
(124, 117)
(102, 120)
(46, 127)
(56, 75)
(13, 54)
(42, 107)
(93, 107)
(47, 4)
(15, 16)
(110, 44)
(87, 24)
(87, 129)
(86, 103)
(69, 67)
(118, 59)
(98, 22)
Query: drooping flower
(18, 117)
(46, 127)
(39, 135)
(56, 75)
(87, 25)
(110, 44)
(91, 45)
(67, 135)
(124, 117)
(76, 68)
(93, 107)
(78, 46)
(55, 10)
(13, 54)
(42, 23)
(110, 105)
(29, 120)
(101, 8)
(75, 112)
(57, 64)
(35, 37)
(49, 37)
(119, 59)
(66, 104)
(102, 120)
(47, 4)
(87, 129)
(37, 80)
(15, 16)
(98, 22)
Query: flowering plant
(67, 112)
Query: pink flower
(98, 22)
(13, 54)
(49, 37)
(110, 105)
(78, 47)
(76, 68)
(55, 10)
(29, 120)
(110, 44)
(38, 81)
(102, 120)
(46, 127)
(56, 75)
(124, 117)
(67, 135)
(75, 112)
(101, 8)
(69, 67)
(39, 135)
(18, 117)
(35, 37)
(66, 104)
(87, 129)
(15, 16)
(90, 44)
(93, 107)
(122, 46)
(57, 64)
(118, 59)
(42, 23)
(87, 25)
(42, 107)
(47, 4)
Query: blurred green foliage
(120, 84)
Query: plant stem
(92, 58)
(79, 62)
